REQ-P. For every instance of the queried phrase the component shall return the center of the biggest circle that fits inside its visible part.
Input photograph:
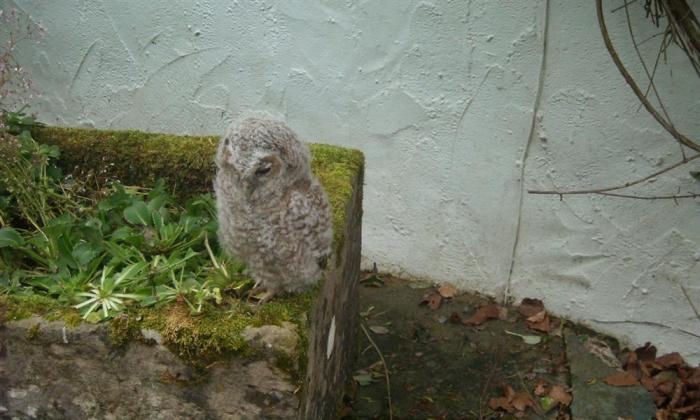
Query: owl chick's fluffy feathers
(273, 213)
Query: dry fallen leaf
(688, 409)
(529, 307)
(621, 379)
(541, 388)
(539, 321)
(447, 290)
(670, 360)
(500, 403)
(482, 315)
(559, 394)
(646, 354)
(503, 403)
(521, 401)
(694, 378)
(432, 299)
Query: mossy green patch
(202, 338)
(14, 308)
(123, 328)
(337, 169)
(33, 332)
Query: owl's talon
(259, 295)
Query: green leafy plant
(134, 245)
(108, 296)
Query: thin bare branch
(650, 197)
(386, 368)
(625, 185)
(627, 3)
(630, 81)
(650, 76)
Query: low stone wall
(128, 368)
(50, 371)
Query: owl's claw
(259, 295)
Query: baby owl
(272, 211)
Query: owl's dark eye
(226, 142)
(262, 170)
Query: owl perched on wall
(272, 211)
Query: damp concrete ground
(441, 369)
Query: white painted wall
(440, 96)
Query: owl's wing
(309, 216)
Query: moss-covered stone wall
(185, 163)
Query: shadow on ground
(442, 369)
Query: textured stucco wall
(440, 96)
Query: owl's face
(261, 157)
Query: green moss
(33, 332)
(122, 329)
(337, 169)
(14, 308)
(216, 333)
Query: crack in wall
(526, 150)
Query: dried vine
(682, 29)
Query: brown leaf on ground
(646, 354)
(670, 360)
(628, 358)
(529, 307)
(559, 394)
(621, 379)
(432, 299)
(647, 383)
(521, 401)
(447, 290)
(500, 403)
(665, 388)
(482, 315)
(539, 322)
(541, 388)
(677, 397)
(664, 376)
(688, 409)
(508, 391)
(505, 402)
(694, 378)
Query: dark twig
(386, 368)
(604, 191)
(644, 64)
(624, 6)
(635, 88)
(651, 197)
